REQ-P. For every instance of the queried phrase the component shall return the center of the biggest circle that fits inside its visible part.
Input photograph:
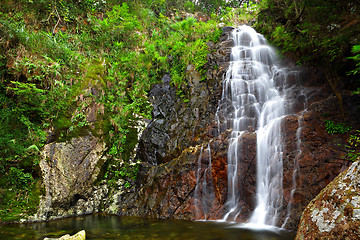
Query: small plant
(334, 128)
(357, 91)
(354, 141)
(18, 178)
(127, 172)
(356, 58)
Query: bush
(353, 153)
(334, 128)
(18, 178)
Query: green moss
(16, 204)
(62, 122)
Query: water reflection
(113, 227)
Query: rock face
(184, 159)
(69, 170)
(335, 212)
(174, 142)
(154, 143)
(314, 161)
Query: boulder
(69, 170)
(335, 212)
(78, 236)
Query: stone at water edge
(335, 212)
(69, 170)
(78, 236)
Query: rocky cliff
(317, 159)
(182, 139)
(183, 171)
(172, 144)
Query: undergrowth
(58, 58)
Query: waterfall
(296, 167)
(255, 97)
(204, 193)
(197, 188)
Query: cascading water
(254, 97)
(204, 194)
(296, 168)
(296, 171)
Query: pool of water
(113, 227)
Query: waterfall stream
(296, 168)
(255, 98)
(204, 194)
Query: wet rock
(169, 189)
(153, 145)
(193, 185)
(78, 236)
(335, 212)
(313, 162)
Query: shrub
(334, 128)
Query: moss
(16, 204)
(62, 122)
(130, 141)
(94, 72)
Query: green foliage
(78, 121)
(240, 12)
(353, 149)
(127, 36)
(356, 58)
(59, 57)
(19, 179)
(124, 174)
(31, 98)
(317, 33)
(16, 203)
(335, 128)
(32, 93)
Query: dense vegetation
(322, 33)
(59, 57)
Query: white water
(254, 96)
(296, 167)
(204, 194)
(197, 190)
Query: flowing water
(256, 98)
(204, 193)
(125, 228)
(296, 169)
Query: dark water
(114, 227)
